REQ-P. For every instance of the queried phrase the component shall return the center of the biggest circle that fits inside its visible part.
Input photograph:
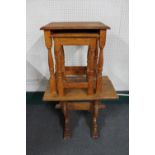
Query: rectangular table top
(75, 25)
(107, 92)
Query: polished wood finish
(94, 119)
(107, 92)
(67, 133)
(59, 67)
(59, 57)
(75, 70)
(75, 35)
(75, 25)
(100, 61)
(48, 43)
(77, 87)
(74, 41)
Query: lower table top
(107, 92)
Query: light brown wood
(76, 35)
(74, 41)
(75, 84)
(90, 66)
(107, 92)
(59, 55)
(73, 78)
(94, 119)
(77, 87)
(59, 71)
(74, 25)
(67, 133)
(48, 43)
(96, 57)
(63, 62)
(100, 61)
(75, 70)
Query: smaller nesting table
(77, 87)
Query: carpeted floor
(44, 129)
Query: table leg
(94, 120)
(90, 66)
(96, 56)
(100, 62)
(63, 62)
(59, 73)
(48, 42)
(67, 133)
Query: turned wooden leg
(59, 72)
(94, 119)
(48, 42)
(95, 64)
(63, 62)
(100, 61)
(96, 56)
(99, 72)
(90, 66)
(67, 133)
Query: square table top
(75, 26)
(107, 92)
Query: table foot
(95, 133)
(67, 133)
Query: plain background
(114, 13)
(13, 69)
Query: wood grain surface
(74, 25)
(107, 92)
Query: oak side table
(77, 87)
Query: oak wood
(63, 62)
(76, 35)
(48, 43)
(90, 66)
(59, 67)
(100, 61)
(75, 70)
(96, 57)
(73, 78)
(75, 84)
(59, 55)
(74, 41)
(107, 92)
(74, 25)
(67, 133)
(71, 84)
(95, 133)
